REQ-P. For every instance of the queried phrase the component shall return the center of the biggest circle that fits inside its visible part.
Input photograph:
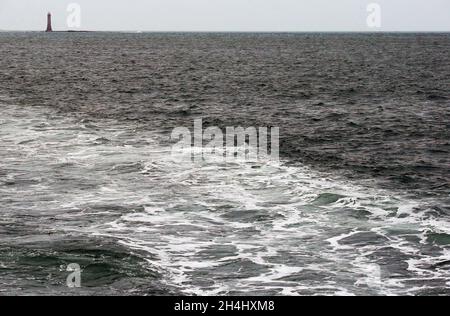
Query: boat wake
(216, 228)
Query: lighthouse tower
(49, 22)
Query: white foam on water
(218, 228)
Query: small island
(50, 28)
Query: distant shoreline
(69, 31)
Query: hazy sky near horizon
(228, 15)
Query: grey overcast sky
(228, 15)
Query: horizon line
(228, 31)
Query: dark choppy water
(360, 204)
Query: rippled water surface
(359, 203)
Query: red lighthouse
(49, 22)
